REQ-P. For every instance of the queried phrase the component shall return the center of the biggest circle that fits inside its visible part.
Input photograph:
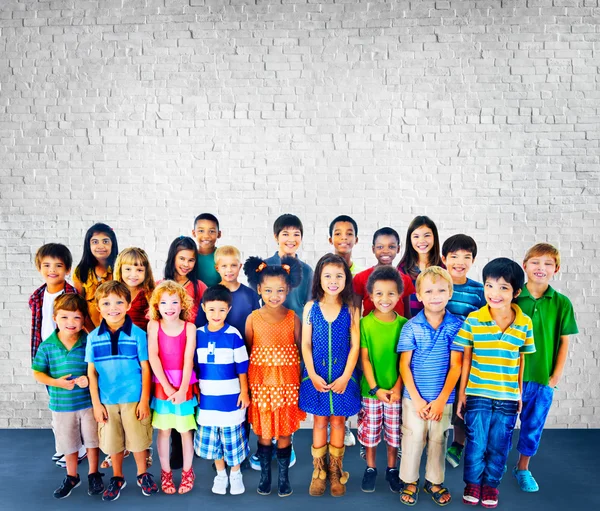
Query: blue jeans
(489, 424)
(537, 400)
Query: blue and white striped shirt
(221, 357)
(466, 298)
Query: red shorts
(375, 416)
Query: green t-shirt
(205, 266)
(552, 316)
(381, 338)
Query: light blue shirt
(466, 298)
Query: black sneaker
(392, 476)
(95, 483)
(67, 486)
(146, 482)
(368, 481)
(114, 489)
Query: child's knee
(338, 423)
(320, 422)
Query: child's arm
(521, 371)
(298, 333)
(409, 383)
(244, 399)
(436, 407)
(63, 382)
(188, 364)
(464, 379)
(382, 394)
(561, 358)
(249, 331)
(100, 413)
(142, 410)
(154, 359)
(319, 383)
(339, 385)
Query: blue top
(117, 357)
(466, 298)
(431, 353)
(220, 358)
(243, 301)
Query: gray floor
(566, 469)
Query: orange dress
(274, 378)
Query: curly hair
(256, 270)
(172, 288)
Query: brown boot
(319, 475)
(337, 477)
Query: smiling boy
(343, 235)
(206, 232)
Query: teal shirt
(205, 268)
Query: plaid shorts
(376, 415)
(228, 442)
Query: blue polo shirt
(117, 357)
(431, 353)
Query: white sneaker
(237, 482)
(349, 439)
(220, 484)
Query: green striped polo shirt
(55, 360)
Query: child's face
(458, 265)
(185, 261)
(333, 279)
(169, 306)
(498, 293)
(422, 239)
(229, 268)
(69, 322)
(540, 269)
(273, 291)
(216, 312)
(101, 246)
(434, 293)
(343, 238)
(386, 248)
(206, 234)
(385, 295)
(113, 309)
(133, 275)
(289, 240)
(53, 271)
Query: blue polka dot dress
(330, 349)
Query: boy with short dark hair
(343, 235)
(553, 322)
(120, 379)
(60, 365)
(495, 339)
(458, 255)
(206, 232)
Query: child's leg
(140, 461)
(117, 464)
(437, 442)
(93, 455)
(502, 423)
(284, 441)
(163, 444)
(71, 460)
(187, 444)
(220, 465)
(392, 456)
(320, 431)
(477, 428)
(338, 430)
(414, 435)
(391, 415)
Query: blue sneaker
(254, 462)
(292, 457)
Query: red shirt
(359, 282)
(138, 311)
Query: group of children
(412, 349)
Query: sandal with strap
(149, 454)
(437, 495)
(526, 481)
(187, 480)
(409, 493)
(166, 482)
(107, 462)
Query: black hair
(88, 261)
(385, 273)
(386, 231)
(459, 242)
(56, 251)
(207, 216)
(256, 276)
(217, 293)
(347, 294)
(287, 220)
(410, 258)
(179, 244)
(507, 269)
(343, 218)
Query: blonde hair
(227, 250)
(172, 288)
(434, 272)
(112, 287)
(137, 257)
(541, 249)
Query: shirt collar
(53, 339)
(549, 293)
(484, 315)
(420, 318)
(125, 328)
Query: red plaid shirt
(36, 302)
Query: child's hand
(395, 396)
(320, 384)
(422, 408)
(169, 390)
(520, 406)
(384, 395)
(100, 413)
(82, 382)
(553, 381)
(243, 400)
(142, 410)
(461, 405)
(339, 386)
(436, 410)
(177, 397)
(65, 383)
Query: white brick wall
(483, 115)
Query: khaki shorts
(74, 429)
(123, 430)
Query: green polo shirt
(55, 360)
(205, 268)
(552, 316)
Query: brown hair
(137, 257)
(541, 249)
(113, 287)
(70, 302)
